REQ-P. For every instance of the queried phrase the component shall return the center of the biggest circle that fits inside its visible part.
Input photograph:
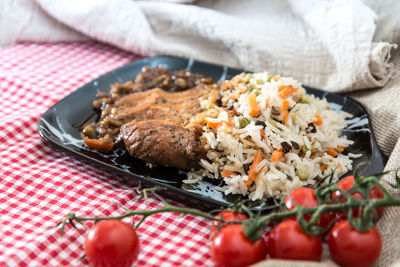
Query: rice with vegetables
(268, 137)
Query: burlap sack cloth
(338, 45)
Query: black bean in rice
(261, 123)
(295, 145)
(286, 147)
(311, 128)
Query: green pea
(302, 173)
(304, 99)
(248, 77)
(243, 121)
(305, 149)
(259, 81)
(273, 123)
(269, 78)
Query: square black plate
(61, 124)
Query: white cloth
(325, 44)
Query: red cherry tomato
(230, 247)
(288, 241)
(346, 184)
(348, 247)
(227, 215)
(112, 243)
(305, 197)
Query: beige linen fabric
(325, 44)
(341, 46)
(383, 106)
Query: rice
(308, 138)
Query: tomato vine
(254, 226)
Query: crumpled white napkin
(325, 44)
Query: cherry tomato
(349, 247)
(288, 241)
(112, 243)
(347, 183)
(230, 247)
(227, 215)
(305, 197)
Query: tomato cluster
(115, 243)
(287, 240)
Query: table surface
(40, 185)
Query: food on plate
(262, 135)
(269, 137)
(148, 117)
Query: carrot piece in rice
(323, 167)
(332, 152)
(340, 149)
(213, 125)
(318, 121)
(226, 173)
(286, 90)
(252, 170)
(285, 111)
(254, 108)
(276, 155)
(262, 134)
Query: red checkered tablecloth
(40, 185)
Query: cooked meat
(151, 121)
(156, 133)
(159, 104)
(162, 143)
(136, 100)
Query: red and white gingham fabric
(40, 185)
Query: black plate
(61, 124)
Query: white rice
(232, 147)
